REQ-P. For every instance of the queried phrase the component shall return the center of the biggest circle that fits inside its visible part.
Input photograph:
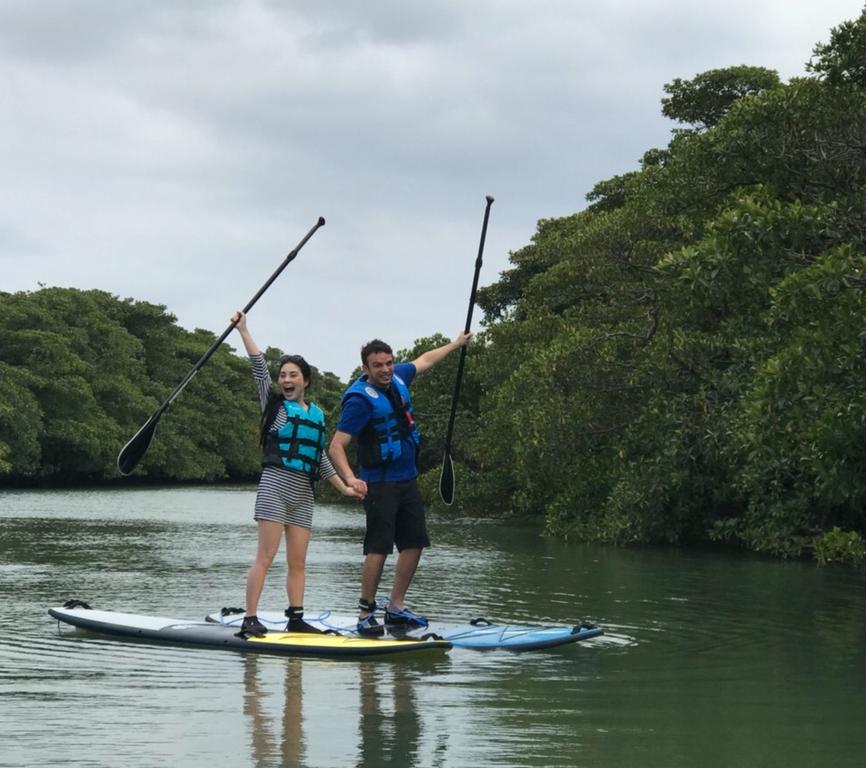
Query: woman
(293, 440)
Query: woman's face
(291, 382)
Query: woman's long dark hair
(275, 399)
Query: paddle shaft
(133, 451)
(213, 347)
(450, 432)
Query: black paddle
(132, 452)
(446, 479)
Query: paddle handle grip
(478, 260)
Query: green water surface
(709, 658)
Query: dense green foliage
(81, 371)
(685, 359)
(706, 99)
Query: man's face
(379, 369)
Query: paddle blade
(446, 480)
(132, 452)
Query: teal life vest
(392, 421)
(299, 443)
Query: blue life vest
(299, 443)
(392, 421)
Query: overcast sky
(175, 151)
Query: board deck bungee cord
(477, 634)
(208, 634)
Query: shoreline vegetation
(682, 361)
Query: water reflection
(370, 718)
(268, 746)
(390, 729)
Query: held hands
(356, 488)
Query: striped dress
(284, 496)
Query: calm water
(710, 659)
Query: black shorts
(395, 515)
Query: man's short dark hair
(372, 347)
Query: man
(377, 413)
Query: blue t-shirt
(356, 414)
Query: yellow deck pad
(341, 643)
